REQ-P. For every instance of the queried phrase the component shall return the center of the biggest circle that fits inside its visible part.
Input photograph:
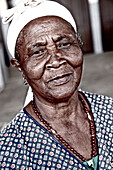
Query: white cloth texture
(27, 10)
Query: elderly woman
(61, 128)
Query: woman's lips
(59, 80)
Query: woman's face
(50, 57)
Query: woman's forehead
(48, 19)
(47, 24)
(39, 29)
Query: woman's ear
(16, 64)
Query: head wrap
(27, 10)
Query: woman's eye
(39, 52)
(64, 45)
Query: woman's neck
(70, 109)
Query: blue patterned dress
(25, 144)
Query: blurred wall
(4, 57)
(106, 12)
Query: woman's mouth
(60, 79)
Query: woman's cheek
(34, 71)
(75, 60)
(74, 56)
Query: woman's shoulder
(13, 123)
(97, 99)
(101, 107)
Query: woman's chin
(62, 94)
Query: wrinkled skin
(51, 58)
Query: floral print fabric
(24, 144)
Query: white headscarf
(27, 10)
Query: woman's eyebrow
(61, 37)
(38, 44)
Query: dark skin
(51, 60)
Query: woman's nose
(55, 61)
